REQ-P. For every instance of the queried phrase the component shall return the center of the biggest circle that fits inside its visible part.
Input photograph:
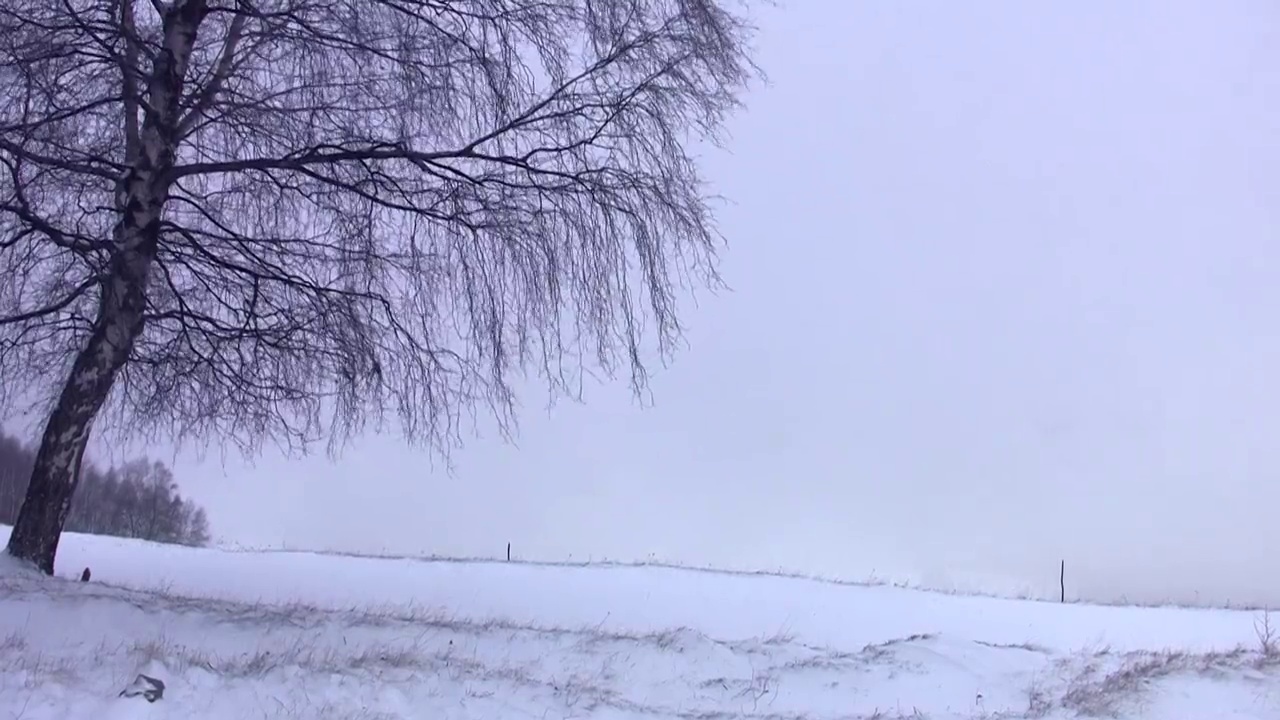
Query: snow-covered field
(293, 635)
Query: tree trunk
(44, 512)
(122, 302)
(57, 468)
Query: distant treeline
(136, 500)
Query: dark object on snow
(84, 576)
(148, 687)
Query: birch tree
(291, 220)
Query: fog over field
(1004, 283)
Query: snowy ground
(294, 635)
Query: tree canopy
(254, 220)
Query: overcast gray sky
(1005, 289)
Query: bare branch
(50, 309)
(226, 63)
(129, 80)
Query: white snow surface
(241, 635)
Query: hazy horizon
(1003, 291)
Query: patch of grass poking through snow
(871, 656)
(299, 654)
(28, 668)
(304, 616)
(1029, 647)
(14, 642)
(1105, 684)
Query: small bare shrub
(1268, 637)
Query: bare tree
(282, 220)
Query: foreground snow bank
(289, 635)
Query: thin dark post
(508, 552)
(1062, 580)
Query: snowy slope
(296, 635)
